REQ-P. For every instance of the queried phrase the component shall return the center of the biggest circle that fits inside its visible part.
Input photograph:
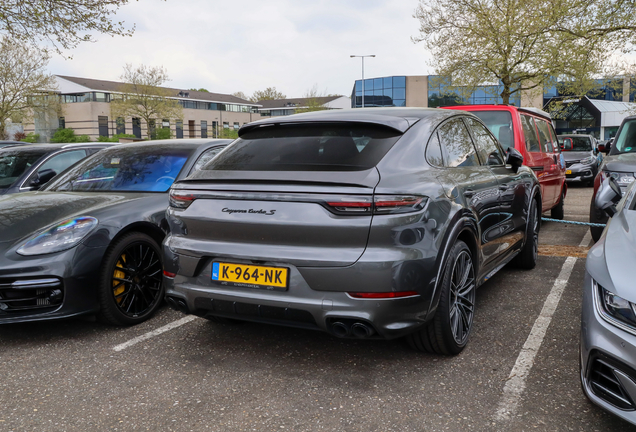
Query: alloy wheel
(462, 297)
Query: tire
(596, 216)
(527, 258)
(450, 329)
(557, 211)
(130, 283)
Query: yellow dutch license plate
(568, 171)
(251, 276)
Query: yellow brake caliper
(121, 275)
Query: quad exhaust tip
(177, 304)
(357, 329)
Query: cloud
(248, 45)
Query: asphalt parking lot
(176, 374)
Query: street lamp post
(362, 57)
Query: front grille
(238, 310)
(604, 382)
(568, 164)
(19, 295)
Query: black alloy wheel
(450, 329)
(131, 282)
(527, 258)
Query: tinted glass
(60, 162)
(457, 144)
(324, 147)
(205, 157)
(626, 141)
(434, 151)
(530, 133)
(150, 169)
(500, 124)
(14, 163)
(580, 143)
(487, 148)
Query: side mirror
(514, 158)
(608, 195)
(42, 177)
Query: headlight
(588, 160)
(615, 308)
(623, 179)
(60, 237)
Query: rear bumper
(301, 305)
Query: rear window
(500, 124)
(307, 147)
(580, 143)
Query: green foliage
(65, 23)
(67, 135)
(228, 133)
(200, 90)
(270, 93)
(161, 133)
(114, 138)
(31, 138)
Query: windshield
(138, 169)
(625, 142)
(500, 124)
(14, 163)
(307, 147)
(579, 143)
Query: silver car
(375, 223)
(608, 320)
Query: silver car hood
(610, 260)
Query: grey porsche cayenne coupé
(367, 223)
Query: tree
(240, 95)
(202, 90)
(525, 44)
(312, 101)
(270, 93)
(65, 23)
(25, 87)
(142, 97)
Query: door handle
(504, 186)
(468, 193)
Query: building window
(102, 122)
(136, 125)
(152, 125)
(236, 126)
(165, 123)
(120, 124)
(62, 123)
(215, 129)
(226, 125)
(179, 126)
(204, 129)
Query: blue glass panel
(388, 92)
(377, 83)
(378, 92)
(399, 81)
(479, 93)
(387, 82)
(399, 102)
(368, 92)
(358, 85)
(368, 84)
(399, 93)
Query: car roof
(187, 143)
(574, 135)
(55, 146)
(397, 118)
(510, 108)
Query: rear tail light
(181, 200)
(379, 204)
(383, 295)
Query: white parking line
(586, 239)
(516, 383)
(156, 332)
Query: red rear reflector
(168, 274)
(181, 200)
(370, 295)
(350, 204)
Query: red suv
(530, 131)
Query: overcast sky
(247, 45)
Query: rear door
(538, 160)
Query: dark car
(530, 131)
(581, 158)
(11, 143)
(619, 163)
(28, 167)
(366, 223)
(89, 242)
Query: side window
(60, 162)
(434, 151)
(487, 149)
(530, 133)
(544, 135)
(205, 157)
(555, 140)
(457, 144)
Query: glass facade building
(380, 92)
(441, 93)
